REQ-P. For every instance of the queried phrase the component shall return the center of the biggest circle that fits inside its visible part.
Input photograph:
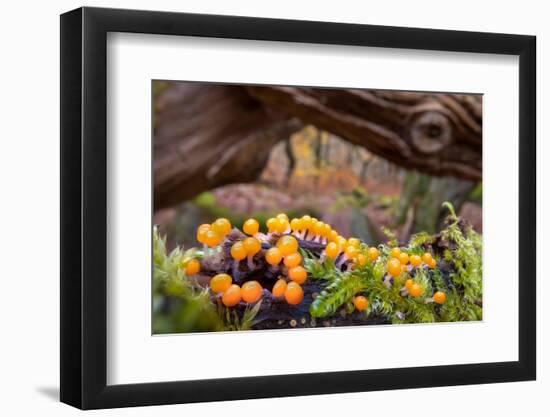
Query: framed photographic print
(258, 207)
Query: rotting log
(208, 135)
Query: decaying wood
(211, 135)
(208, 135)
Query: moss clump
(179, 304)
(463, 253)
(459, 274)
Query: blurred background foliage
(316, 173)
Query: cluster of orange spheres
(415, 290)
(286, 250)
(251, 291)
(212, 234)
(352, 250)
(278, 224)
(399, 260)
(310, 228)
(246, 248)
(232, 294)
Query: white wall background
(29, 176)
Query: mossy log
(276, 313)
(450, 265)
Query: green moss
(463, 286)
(232, 321)
(465, 258)
(338, 292)
(179, 305)
(476, 195)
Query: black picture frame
(84, 207)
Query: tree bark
(208, 135)
(438, 134)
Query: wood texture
(438, 134)
(210, 135)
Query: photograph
(291, 207)
(364, 191)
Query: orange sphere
(342, 243)
(333, 236)
(201, 232)
(238, 252)
(192, 267)
(279, 288)
(204, 226)
(251, 291)
(426, 258)
(270, 224)
(211, 238)
(373, 254)
(221, 226)
(415, 260)
(273, 256)
(251, 227)
(287, 245)
(332, 250)
(394, 267)
(201, 235)
(232, 296)
(220, 283)
(327, 230)
(403, 258)
(252, 246)
(297, 274)
(306, 222)
(353, 241)
(408, 283)
(432, 263)
(292, 260)
(415, 290)
(314, 221)
(361, 260)
(282, 216)
(395, 252)
(351, 252)
(295, 225)
(318, 228)
(281, 225)
(361, 303)
(439, 297)
(294, 293)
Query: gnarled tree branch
(208, 135)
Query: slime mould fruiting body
(303, 273)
